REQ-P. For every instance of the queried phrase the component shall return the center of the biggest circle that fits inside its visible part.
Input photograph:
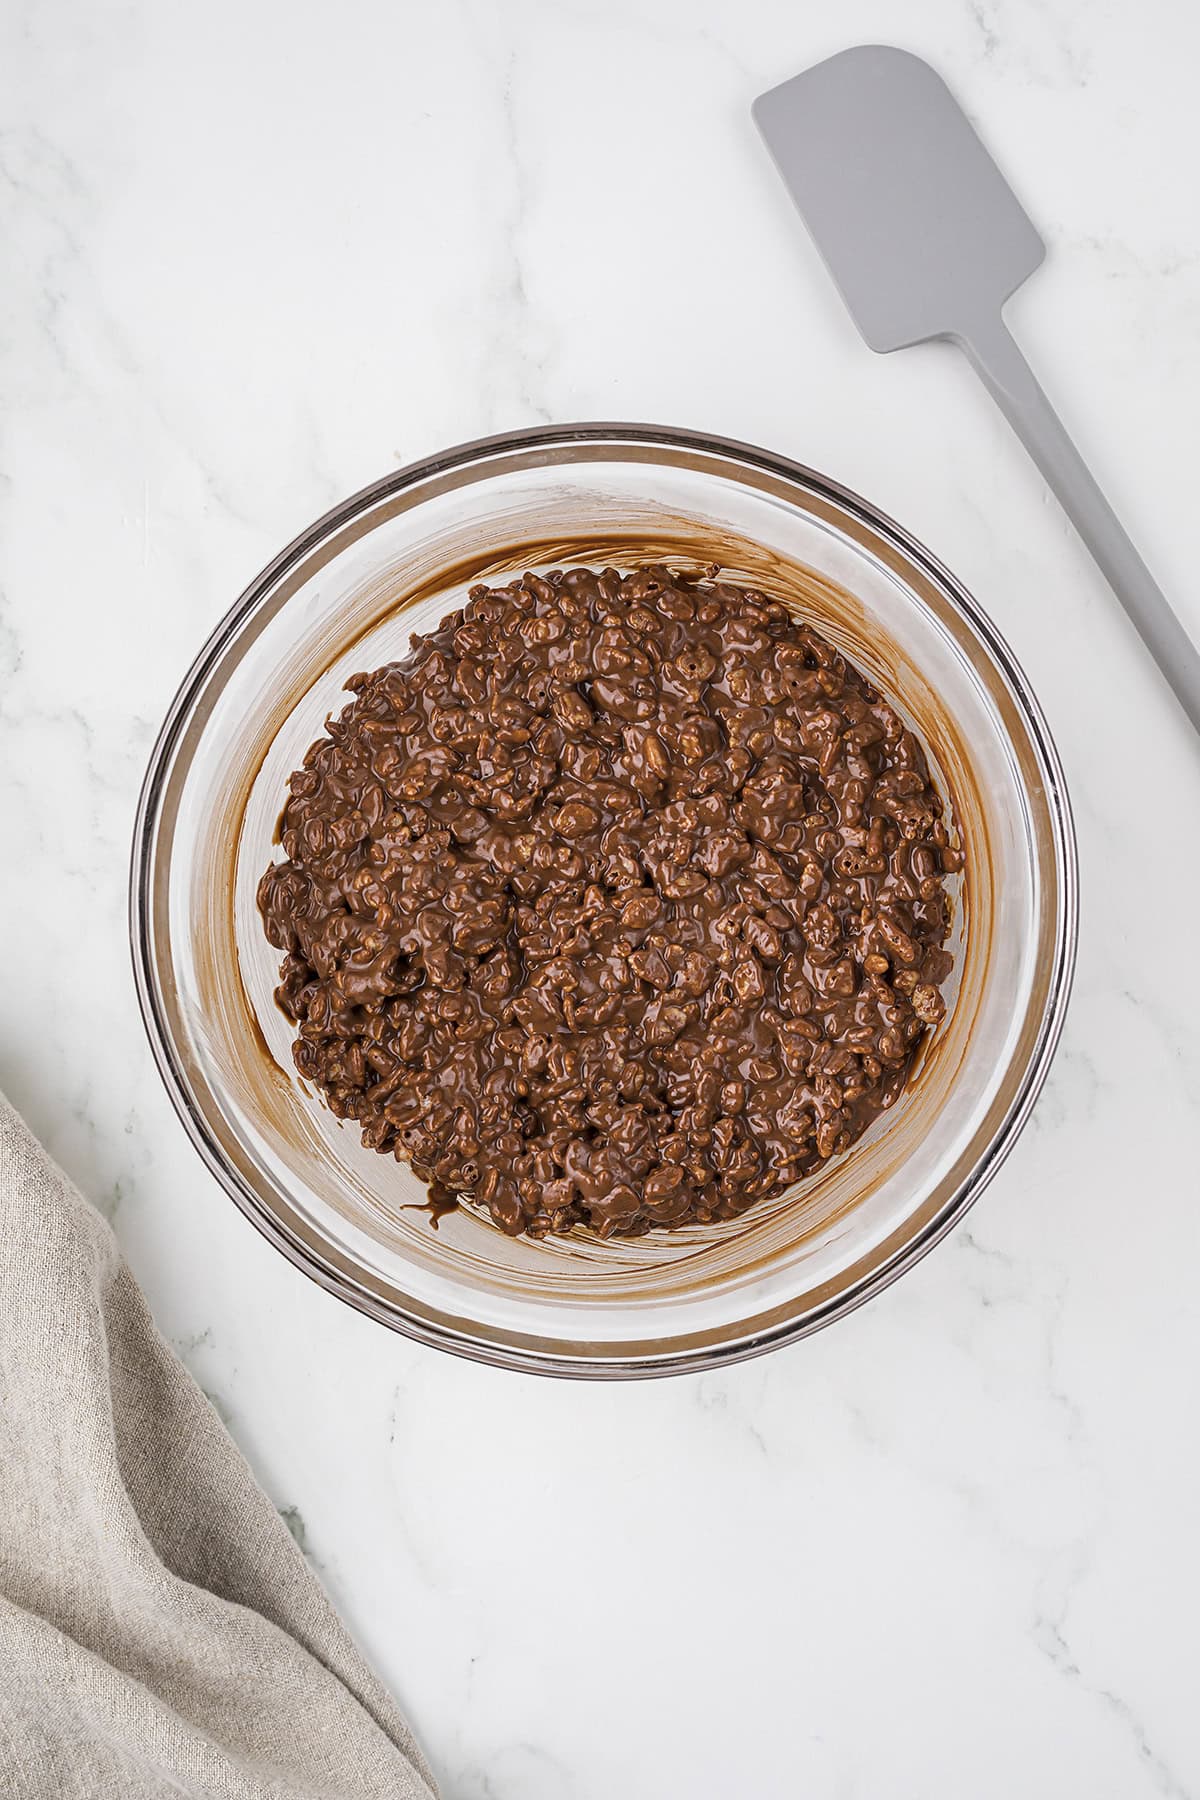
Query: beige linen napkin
(160, 1632)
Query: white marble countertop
(255, 254)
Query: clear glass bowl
(345, 596)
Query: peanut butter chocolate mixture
(617, 903)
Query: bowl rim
(250, 1203)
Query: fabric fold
(160, 1631)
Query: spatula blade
(916, 224)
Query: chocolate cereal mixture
(618, 903)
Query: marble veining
(250, 262)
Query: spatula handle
(998, 360)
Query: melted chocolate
(618, 903)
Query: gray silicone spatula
(926, 239)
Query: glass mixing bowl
(345, 596)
